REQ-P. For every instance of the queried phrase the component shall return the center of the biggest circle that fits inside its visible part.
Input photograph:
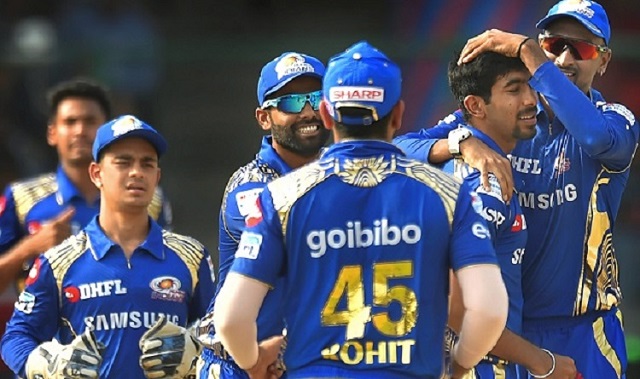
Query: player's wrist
(546, 369)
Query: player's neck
(79, 176)
(128, 230)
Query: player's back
(367, 264)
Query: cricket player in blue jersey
(118, 295)
(570, 178)
(495, 97)
(289, 95)
(364, 238)
(39, 213)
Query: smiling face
(580, 72)
(127, 175)
(300, 133)
(511, 113)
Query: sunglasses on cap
(579, 48)
(294, 103)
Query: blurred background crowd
(190, 69)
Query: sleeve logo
(26, 302)
(249, 246)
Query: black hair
(82, 88)
(479, 75)
(377, 129)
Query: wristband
(520, 46)
(551, 370)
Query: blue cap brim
(155, 139)
(542, 24)
(286, 81)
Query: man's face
(580, 72)
(127, 174)
(73, 130)
(512, 110)
(301, 133)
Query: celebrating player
(364, 238)
(289, 94)
(118, 294)
(570, 178)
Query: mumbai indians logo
(578, 6)
(292, 63)
(125, 125)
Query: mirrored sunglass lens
(580, 50)
(291, 104)
(295, 103)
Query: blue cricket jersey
(365, 239)
(570, 179)
(238, 201)
(507, 225)
(26, 205)
(88, 282)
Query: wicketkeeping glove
(169, 351)
(81, 359)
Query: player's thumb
(65, 216)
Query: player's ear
(264, 118)
(95, 173)
(396, 116)
(475, 106)
(52, 138)
(325, 116)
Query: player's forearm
(486, 308)
(439, 152)
(518, 350)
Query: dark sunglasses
(580, 49)
(294, 103)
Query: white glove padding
(81, 359)
(168, 351)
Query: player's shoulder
(184, 246)
(255, 171)
(292, 186)
(38, 186)
(427, 174)
(68, 250)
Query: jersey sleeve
(606, 132)
(261, 252)
(470, 238)
(204, 290)
(10, 230)
(237, 205)
(35, 317)
(417, 145)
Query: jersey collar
(268, 155)
(101, 244)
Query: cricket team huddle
(477, 248)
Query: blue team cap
(361, 77)
(283, 69)
(589, 13)
(124, 127)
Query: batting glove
(169, 351)
(80, 359)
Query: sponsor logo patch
(249, 246)
(373, 94)
(26, 302)
(167, 288)
(93, 290)
(125, 125)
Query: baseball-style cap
(589, 13)
(283, 69)
(124, 127)
(361, 77)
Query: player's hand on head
(494, 40)
(52, 232)
(483, 158)
(168, 351)
(81, 359)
